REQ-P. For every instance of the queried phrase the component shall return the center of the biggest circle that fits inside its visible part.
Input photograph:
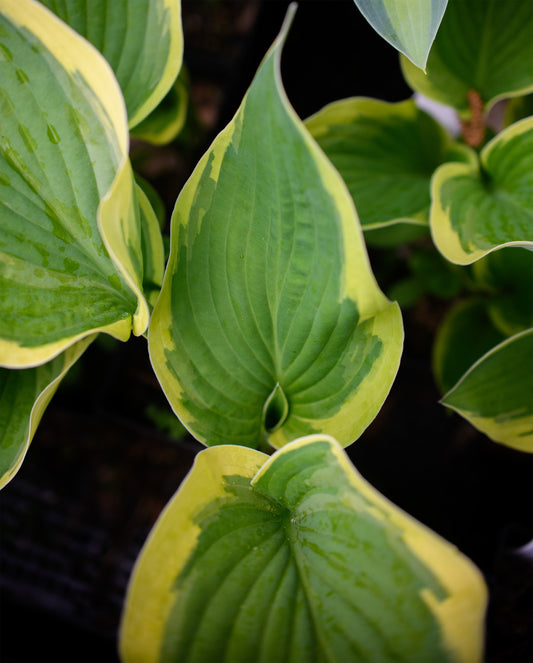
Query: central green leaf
(268, 284)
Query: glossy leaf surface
(24, 396)
(296, 558)
(477, 209)
(482, 45)
(386, 154)
(268, 291)
(408, 25)
(141, 39)
(495, 394)
(70, 248)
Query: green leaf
(296, 558)
(436, 275)
(24, 396)
(141, 39)
(165, 421)
(408, 25)
(167, 120)
(152, 248)
(269, 287)
(508, 276)
(464, 336)
(495, 394)
(406, 291)
(386, 154)
(155, 200)
(70, 248)
(482, 45)
(477, 209)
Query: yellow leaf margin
(116, 213)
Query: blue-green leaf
(409, 25)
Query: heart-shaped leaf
(386, 154)
(70, 245)
(409, 25)
(270, 322)
(476, 209)
(24, 396)
(141, 39)
(483, 46)
(495, 394)
(296, 558)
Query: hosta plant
(266, 328)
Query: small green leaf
(408, 25)
(477, 209)
(167, 120)
(296, 558)
(70, 249)
(386, 154)
(166, 421)
(268, 283)
(152, 248)
(437, 276)
(141, 39)
(482, 45)
(495, 394)
(24, 396)
(464, 336)
(406, 292)
(507, 275)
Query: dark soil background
(99, 471)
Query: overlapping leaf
(152, 248)
(70, 246)
(507, 277)
(141, 39)
(409, 25)
(386, 154)
(466, 334)
(296, 558)
(482, 45)
(495, 394)
(167, 120)
(270, 321)
(24, 396)
(476, 209)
